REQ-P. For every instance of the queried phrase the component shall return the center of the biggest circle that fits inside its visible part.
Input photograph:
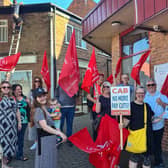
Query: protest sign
(120, 100)
(120, 105)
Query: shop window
(20, 77)
(78, 35)
(134, 45)
(3, 31)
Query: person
(46, 153)
(54, 110)
(10, 121)
(135, 122)
(24, 108)
(92, 96)
(17, 20)
(103, 103)
(125, 82)
(158, 102)
(67, 110)
(37, 83)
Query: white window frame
(4, 31)
(77, 30)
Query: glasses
(106, 86)
(140, 93)
(6, 87)
(151, 85)
(36, 81)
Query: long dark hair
(14, 86)
(40, 81)
(36, 104)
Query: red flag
(164, 89)
(118, 67)
(69, 77)
(45, 72)
(9, 62)
(105, 151)
(91, 74)
(137, 67)
(110, 79)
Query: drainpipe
(51, 16)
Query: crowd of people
(153, 101)
(45, 119)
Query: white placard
(120, 100)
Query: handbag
(137, 141)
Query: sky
(62, 3)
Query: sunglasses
(106, 86)
(36, 81)
(151, 85)
(6, 87)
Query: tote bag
(136, 142)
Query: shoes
(33, 147)
(22, 158)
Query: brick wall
(159, 55)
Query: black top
(137, 116)
(137, 122)
(105, 105)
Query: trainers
(33, 147)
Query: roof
(43, 7)
(81, 7)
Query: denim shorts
(141, 157)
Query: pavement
(72, 157)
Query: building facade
(128, 28)
(46, 27)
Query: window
(135, 44)
(78, 35)
(22, 77)
(3, 31)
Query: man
(95, 92)
(125, 82)
(158, 102)
(17, 20)
(67, 110)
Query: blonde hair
(105, 83)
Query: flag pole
(121, 133)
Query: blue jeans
(20, 142)
(68, 114)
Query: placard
(120, 100)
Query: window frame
(78, 30)
(4, 36)
(124, 33)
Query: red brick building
(128, 28)
(46, 27)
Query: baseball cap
(38, 92)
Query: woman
(135, 122)
(9, 122)
(24, 108)
(37, 83)
(46, 152)
(103, 104)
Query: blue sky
(62, 3)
